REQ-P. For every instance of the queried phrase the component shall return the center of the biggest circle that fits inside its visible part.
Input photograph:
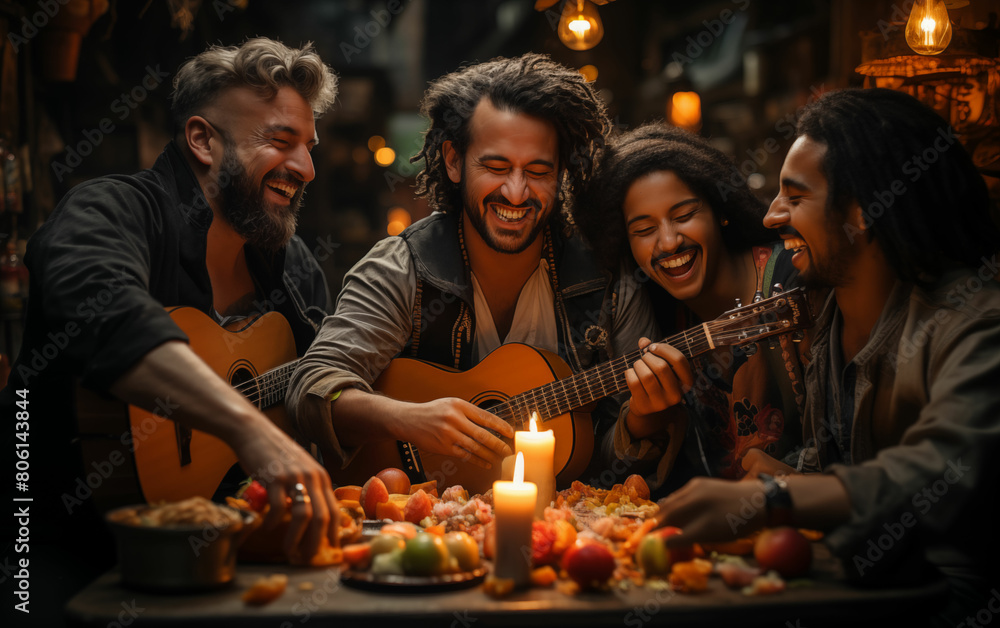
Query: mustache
(680, 249)
(500, 199)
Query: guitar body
(511, 369)
(517, 379)
(173, 463)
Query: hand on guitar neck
(448, 426)
(657, 382)
(201, 400)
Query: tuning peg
(772, 343)
(798, 336)
(758, 296)
(750, 349)
(776, 288)
(739, 303)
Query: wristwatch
(778, 500)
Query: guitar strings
(550, 402)
(610, 376)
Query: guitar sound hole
(242, 379)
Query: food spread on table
(589, 539)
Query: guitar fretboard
(559, 397)
(268, 389)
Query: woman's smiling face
(674, 234)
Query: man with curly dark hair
(510, 142)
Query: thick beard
(478, 219)
(262, 224)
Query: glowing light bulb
(928, 31)
(580, 26)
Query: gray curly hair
(262, 64)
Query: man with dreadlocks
(882, 204)
(510, 142)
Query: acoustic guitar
(168, 461)
(516, 379)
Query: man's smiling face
(508, 176)
(823, 251)
(267, 161)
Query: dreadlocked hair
(656, 147)
(879, 141)
(530, 84)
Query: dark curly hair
(532, 84)
(878, 140)
(656, 147)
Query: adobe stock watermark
(914, 168)
(897, 19)
(104, 469)
(123, 106)
(363, 35)
(33, 24)
(59, 340)
(785, 127)
(984, 616)
(895, 531)
(959, 296)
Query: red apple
(589, 563)
(784, 550)
(677, 554)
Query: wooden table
(828, 600)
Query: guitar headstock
(778, 314)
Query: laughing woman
(666, 202)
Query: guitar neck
(268, 389)
(604, 380)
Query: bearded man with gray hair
(210, 226)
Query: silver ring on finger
(299, 494)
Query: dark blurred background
(85, 86)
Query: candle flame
(533, 423)
(519, 468)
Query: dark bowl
(179, 558)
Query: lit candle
(539, 451)
(514, 511)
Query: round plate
(401, 584)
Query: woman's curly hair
(531, 84)
(262, 64)
(656, 147)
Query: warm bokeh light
(928, 30)
(685, 110)
(375, 142)
(398, 219)
(589, 73)
(580, 26)
(385, 156)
